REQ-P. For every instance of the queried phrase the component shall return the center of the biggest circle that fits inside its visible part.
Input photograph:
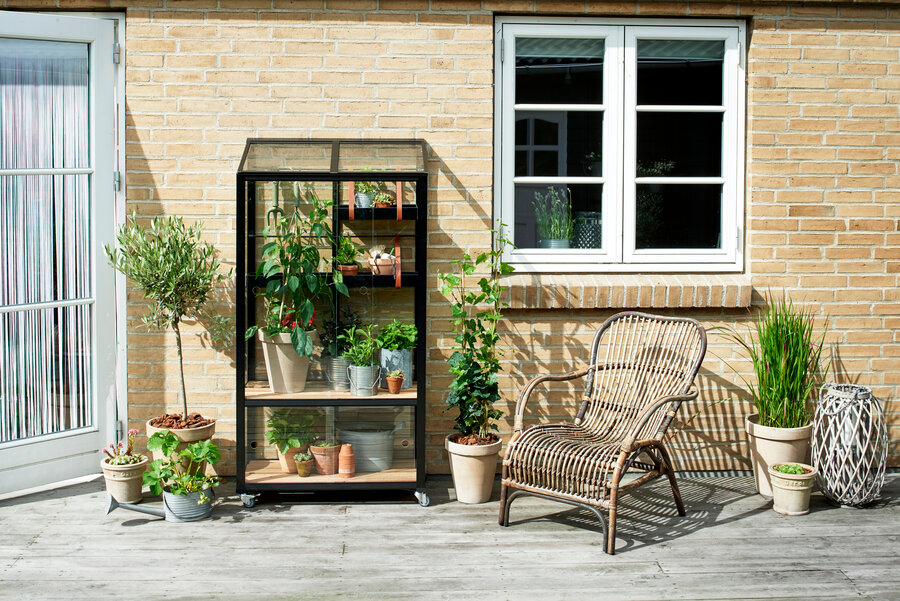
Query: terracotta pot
(326, 459)
(347, 462)
(769, 446)
(383, 205)
(473, 468)
(349, 269)
(394, 384)
(185, 437)
(382, 266)
(286, 460)
(285, 369)
(124, 482)
(791, 492)
(304, 468)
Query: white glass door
(57, 209)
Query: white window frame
(620, 116)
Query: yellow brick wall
(823, 190)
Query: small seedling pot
(304, 468)
(791, 492)
(394, 384)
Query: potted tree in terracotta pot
(474, 364)
(177, 273)
(289, 431)
(787, 362)
(290, 263)
(123, 470)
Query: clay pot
(326, 459)
(473, 468)
(394, 384)
(286, 460)
(382, 266)
(349, 269)
(383, 205)
(347, 462)
(185, 437)
(791, 492)
(769, 446)
(304, 468)
(124, 482)
(285, 369)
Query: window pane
(680, 72)
(678, 216)
(679, 144)
(557, 71)
(558, 143)
(545, 218)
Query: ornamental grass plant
(553, 214)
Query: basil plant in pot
(474, 364)
(290, 262)
(397, 341)
(362, 354)
(177, 274)
(787, 362)
(187, 493)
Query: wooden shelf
(321, 391)
(265, 471)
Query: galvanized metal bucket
(555, 243)
(373, 444)
(363, 379)
(187, 508)
(336, 372)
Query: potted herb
(474, 364)
(290, 433)
(384, 199)
(362, 355)
(346, 256)
(397, 341)
(333, 360)
(787, 362)
(792, 485)
(188, 493)
(553, 217)
(381, 261)
(304, 463)
(394, 381)
(176, 272)
(365, 192)
(123, 470)
(325, 455)
(290, 265)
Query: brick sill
(626, 291)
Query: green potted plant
(553, 217)
(593, 164)
(177, 273)
(792, 485)
(347, 255)
(397, 341)
(365, 192)
(384, 199)
(474, 364)
(325, 454)
(362, 355)
(123, 470)
(394, 380)
(787, 361)
(289, 432)
(333, 360)
(304, 464)
(187, 493)
(290, 264)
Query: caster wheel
(423, 498)
(248, 500)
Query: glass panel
(381, 157)
(45, 372)
(559, 143)
(43, 104)
(679, 144)
(559, 70)
(545, 217)
(680, 72)
(268, 156)
(381, 438)
(678, 216)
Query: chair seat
(563, 459)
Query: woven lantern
(849, 444)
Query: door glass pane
(680, 72)
(678, 216)
(43, 93)
(559, 143)
(679, 144)
(559, 70)
(558, 216)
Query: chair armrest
(628, 444)
(526, 392)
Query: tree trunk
(184, 415)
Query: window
(620, 145)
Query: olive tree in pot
(177, 274)
(290, 264)
(397, 341)
(787, 363)
(474, 364)
(362, 355)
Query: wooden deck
(60, 545)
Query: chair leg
(503, 518)
(611, 528)
(670, 472)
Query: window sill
(627, 291)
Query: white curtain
(45, 239)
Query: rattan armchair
(641, 370)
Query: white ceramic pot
(285, 368)
(125, 482)
(473, 468)
(769, 446)
(791, 492)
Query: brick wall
(823, 190)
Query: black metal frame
(245, 301)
